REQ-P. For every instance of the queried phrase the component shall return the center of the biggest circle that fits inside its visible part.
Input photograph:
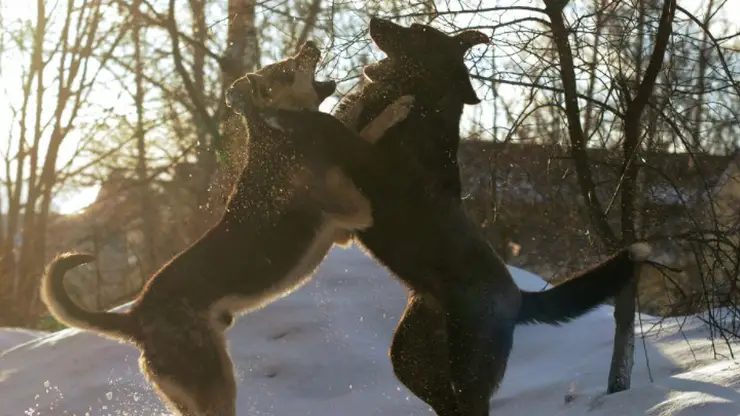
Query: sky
(11, 91)
(73, 200)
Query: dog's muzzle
(308, 56)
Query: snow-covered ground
(323, 351)
(10, 337)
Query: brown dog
(289, 205)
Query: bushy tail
(583, 293)
(117, 325)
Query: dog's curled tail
(116, 325)
(583, 292)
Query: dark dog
(452, 344)
(290, 203)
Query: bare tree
(148, 210)
(58, 80)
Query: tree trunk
(624, 306)
(704, 51)
(205, 152)
(149, 211)
(242, 56)
(25, 262)
(599, 27)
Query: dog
(452, 343)
(290, 203)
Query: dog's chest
(311, 258)
(278, 286)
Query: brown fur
(289, 205)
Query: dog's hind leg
(190, 368)
(419, 354)
(480, 329)
(215, 401)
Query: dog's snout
(470, 38)
(377, 22)
(381, 26)
(388, 35)
(309, 53)
(310, 46)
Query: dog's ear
(468, 93)
(245, 93)
(467, 40)
(464, 86)
(257, 90)
(386, 35)
(470, 38)
(324, 89)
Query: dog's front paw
(389, 117)
(400, 109)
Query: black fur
(458, 325)
(582, 293)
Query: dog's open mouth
(287, 84)
(306, 61)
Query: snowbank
(323, 351)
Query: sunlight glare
(76, 201)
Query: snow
(323, 351)
(11, 337)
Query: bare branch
(578, 139)
(715, 43)
(187, 82)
